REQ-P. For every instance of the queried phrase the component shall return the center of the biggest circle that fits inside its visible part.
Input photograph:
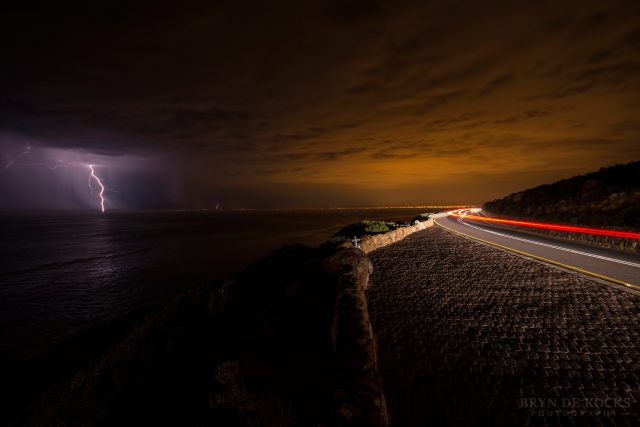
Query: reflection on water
(61, 273)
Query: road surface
(619, 269)
(469, 335)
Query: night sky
(312, 103)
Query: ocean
(61, 273)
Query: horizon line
(242, 209)
(353, 207)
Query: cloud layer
(329, 102)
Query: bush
(362, 228)
(339, 239)
(374, 226)
(255, 410)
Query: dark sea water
(61, 273)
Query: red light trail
(549, 226)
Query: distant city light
(349, 208)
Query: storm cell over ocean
(313, 104)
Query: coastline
(279, 334)
(78, 269)
(35, 376)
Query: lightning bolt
(101, 187)
(26, 151)
(92, 175)
(51, 167)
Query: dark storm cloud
(286, 157)
(524, 116)
(347, 11)
(625, 126)
(299, 135)
(279, 171)
(389, 154)
(333, 155)
(322, 156)
(140, 126)
(455, 121)
(594, 22)
(496, 83)
(275, 95)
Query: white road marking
(632, 264)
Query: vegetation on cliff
(365, 227)
(253, 349)
(609, 197)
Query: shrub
(255, 410)
(374, 226)
(221, 298)
(362, 228)
(339, 239)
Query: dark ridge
(24, 381)
(249, 349)
(609, 198)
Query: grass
(250, 350)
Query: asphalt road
(618, 269)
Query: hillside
(253, 349)
(609, 197)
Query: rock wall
(371, 243)
(357, 398)
(619, 243)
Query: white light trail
(560, 248)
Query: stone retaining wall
(357, 397)
(619, 243)
(371, 243)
